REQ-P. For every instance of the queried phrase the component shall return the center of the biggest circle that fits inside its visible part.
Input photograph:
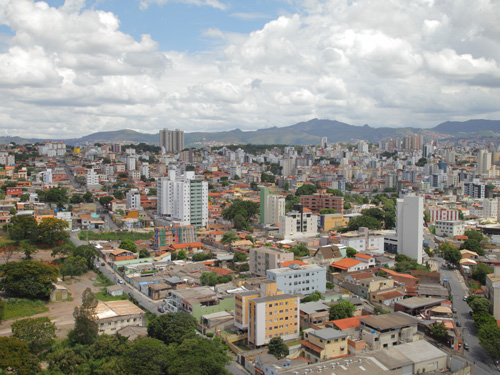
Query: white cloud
(70, 71)
(144, 4)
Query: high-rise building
(133, 199)
(271, 207)
(183, 198)
(483, 161)
(317, 202)
(474, 189)
(172, 140)
(410, 226)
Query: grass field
(20, 308)
(102, 281)
(109, 236)
(104, 296)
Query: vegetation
(241, 213)
(480, 271)
(364, 221)
(450, 253)
(239, 256)
(38, 333)
(212, 279)
(229, 238)
(313, 297)
(342, 310)
(306, 189)
(16, 357)
(86, 327)
(350, 252)
(52, 230)
(201, 256)
(405, 264)
(20, 308)
(172, 328)
(300, 250)
(277, 347)
(128, 245)
(28, 279)
(439, 331)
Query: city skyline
(77, 67)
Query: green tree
(306, 189)
(300, 250)
(229, 238)
(489, 338)
(88, 197)
(342, 310)
(56, 195)
(277, 347)
(479, 305)
(24, 197)
(290, 201)
(88, 252)
(350, 252)
(335, 192)
(38, 333)
(172, 328)
(198, 356)
(23, 227)
(52, 230)
(128, 245)
(2, 308)
(472, 245)
(28, 279)
(480, 271)
(146, 356)
(67, 360)
(327, 211)
(474, 235)
(181, 254)
(12, 211)
(450, 253)
(28, 249)
(106, 201)
(364, 221)
(241, 213)
(313, 297)
(330, 285)
(118, 194)
(209, 278)
(239, 256)
(439, 331)
(377, 213)
(254, 186)
(201, 256)
(73, 266)
(427, 217)
(16, 358)
(76, 199)
(86, 327)
(347, 206)
(143, 253)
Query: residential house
(323, 344)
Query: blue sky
(74, 67)
(179, 26)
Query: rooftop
(388, 321)
(111, 309)
(328, 334)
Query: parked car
(459, 324)
(465, 298)
(466, 346)
(454, 310)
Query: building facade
(172, 140)
(410, 226)
(296, 279)
(264, 258)
(446, 228)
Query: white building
(446, 228)
(490, 209)
(183, 198)
(131, 163)
(439, 213)
(299, 279)
(483, 161)
(364, 240)
(271, 207)
(92, 179)
(410, 226)
(145, 170)
(298, 223)
(172, 140)
(133, 199)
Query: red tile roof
(345, 263)
(299, 262)
(348, 322)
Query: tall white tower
(483, 161)
(410, 226)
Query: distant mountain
(470, 126)
(309, 132)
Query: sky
(75, 67)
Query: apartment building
(364, 240)
(172, 140)
(446, 228)
(264, 258)
(271, 207)
(299, 279)
(317, 202)
(183, 198)
(387, 330)
(176, 234)
(133, 199)
(410, 226)
(438, 213)
(323, 344)
(493, 291)
(299, 222)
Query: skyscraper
(172, 140)
(483, 161)
(410, 226)
(271, 207)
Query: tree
(28, 249)
(489, 338)
(143, 253)
(277, 347)
(38, 333)
(330, 285)
(376, 213)
(118, 194)
(73, 266)
(327, 211)
(128, 245)
(450, 253)
(254, 186)
(306, 189)
(28, 279)
(427, 217)
(105, 201)
(198, 356)
(2, 308)
(56, 195)
(480, 271)
(172, 328)
(364, 221)
(16, 358)
(52, 230)
(76, 199)
(88, 197)
(239, 256)
(342, 310)
(439, 331)
(347, 206)
(86, 327)
(335, 192)
(350, 252)
(88, 252)
(290, 201)
(313, 297)
(181, 254)
(24, 197)
(201, 256)
(474, 235)
(229, 238)
(212, 279)
(241, 213)
(23, 227)
(479, 305)
(146, 356)
(300, 250)
(472, 245)
(12, 211)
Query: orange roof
(346, 263)
(394, 273)
(390, 295)
(349, 322)
(176, 246)
(363, 256)
(461, 238)
(221, 271)
(299, 262)
(217, 232)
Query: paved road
(476, 354)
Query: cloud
(144, 4)
(250, 15)
(69, 71)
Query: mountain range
(302, 133)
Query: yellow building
(267, 314)
(332, 221)
(323, 344)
